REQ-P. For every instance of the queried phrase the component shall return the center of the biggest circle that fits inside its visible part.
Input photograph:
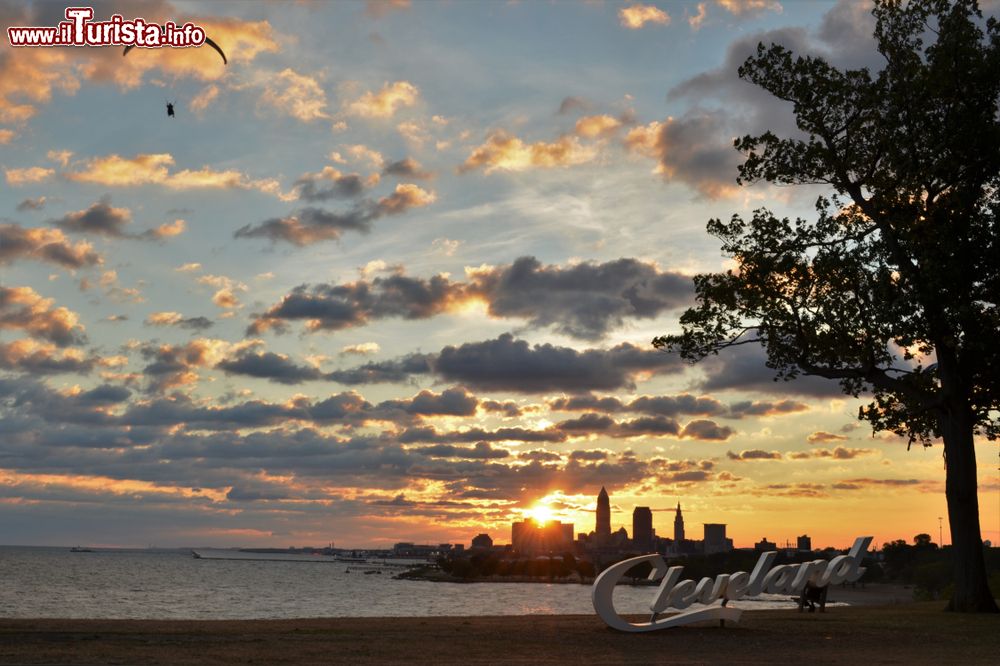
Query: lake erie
(172, 584)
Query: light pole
(940, 538)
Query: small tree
(893, 288)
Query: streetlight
(940, 538)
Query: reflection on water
(50, 582)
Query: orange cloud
(740, 7)
(823, 436)
(385, 102)
(22, 308)
(154, 169)
(501, 151)
(637, 16)
(296, 95)
(406, 196)
(594, 126)
(17, 177)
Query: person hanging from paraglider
(208, 41)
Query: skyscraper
(603, 514)
(678, 525)
(642, 528)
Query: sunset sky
(392, 275)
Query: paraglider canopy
(208, 41)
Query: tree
(893, 288)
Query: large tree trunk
(972, 593)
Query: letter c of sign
(603, 592)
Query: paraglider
(208, 40)
(170, 110)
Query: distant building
(804, 542)
(678, 525)
(764, 545)
(410, 549)
(529, 537)
(603, 527)
(715, 539)
(642, 528)
(482, 542)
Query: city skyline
(392, 272)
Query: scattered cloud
(296, 95)
(28, 175)
(48, 245)
(635, 17)
(386, 102)
(504, 152)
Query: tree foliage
(893, 288)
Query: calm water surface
(157, 584)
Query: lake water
(162, 584)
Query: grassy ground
(898, 634)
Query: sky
(391, 274)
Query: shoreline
(911, 633)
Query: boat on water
(80, 549)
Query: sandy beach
(910, 633)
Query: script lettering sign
(717, 592)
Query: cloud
(504, 152)
(592, 127)
(172, 366)
(377, 9)
(744, 369)
(26, 176)
(512, 365)
(695, 149)
(837, 453)
(48, 245)
(101, 218)
(766, 408)
(37, 203)
(329, 183)
(456, 401)
(481, 451)
(154, 169)
(571, 104)
(696, 20)
(404, 197)
(268, 365)
(40, 358)
(822, 436)
(749, 7)
(706, 430)
(361, 349)
(385, 102)
(585, 300)
(753, 454)
(407, 168)
(22, 308)
(179, 320)
(311, 225)
(637, 16)
(297, 95)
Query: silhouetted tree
(923, 541)
(901, 264)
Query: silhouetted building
(529, 537)
(764, 545)
(603, 528)
(715, 539)
(678, 525)
(642, 528)
(482, 542)
(804, 542)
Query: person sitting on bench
(812, 595)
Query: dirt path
(902, 634)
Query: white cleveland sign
(782, 579)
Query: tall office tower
(678, 525)
(603, 514)
(642, 528)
